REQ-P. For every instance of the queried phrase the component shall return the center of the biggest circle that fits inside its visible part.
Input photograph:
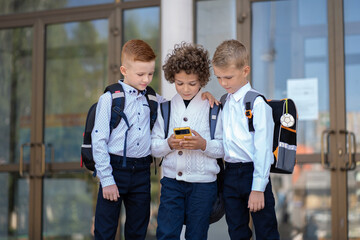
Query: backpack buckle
(248, 113)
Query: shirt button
(180, 153)
(138, 113)
(185, 119)
(139, 128)
(179, 174)
(137, 144)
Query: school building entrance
(56, 57)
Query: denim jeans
(185, 202)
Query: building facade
(56, 57)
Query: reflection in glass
(14, 207)
(76, 75)
(15, 92)
(303, 203)
(15, 110)
(68, 207)
(144, 24)
(287, 45)
(210, 32)
(16, 6)
(352, 86)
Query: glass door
(352, 99)
(290, 59)
(76, 72)
(297, 52)
(15, 111)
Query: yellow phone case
(181, 132)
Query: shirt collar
(239, 94)
(129, 89)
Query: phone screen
(182, 131)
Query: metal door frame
(338, 153)
(38, 21)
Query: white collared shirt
(240, 145)
(137, 112)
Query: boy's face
(231, 78)
(187, 85)
(138, 74)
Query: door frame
(338, 153)
(36, 168)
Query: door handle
(325, 163)
(351, 143)
(42, 159)
(21, 160)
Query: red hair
(137, 50)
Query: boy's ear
(246, 70)
(123, 70)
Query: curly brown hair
(193, 59)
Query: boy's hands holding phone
(174, 143)
(183, 139)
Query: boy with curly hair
(189, 166)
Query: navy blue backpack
(117, 113)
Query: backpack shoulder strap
(249, 100)
(118, 104)
(223, 99)
(153, 104)
(165, 113)
(213, 115)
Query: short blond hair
(231, 52)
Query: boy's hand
(210, 98)
(256, 201)
(194, 142)
(174, 143)
(111, 192)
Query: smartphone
(181, 132)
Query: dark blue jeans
(183, 201)
(237, 188)
(133, 183)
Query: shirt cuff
(259, 184)
(107, 181)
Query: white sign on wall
(304, 92)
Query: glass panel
(69, 205)
(144, 24)
(15, 110)
(15, 92)
(290, 59)
(352, 86)
(14, 207)
(303, 203)
(19, 6)
(210, 32)
(76, 75)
